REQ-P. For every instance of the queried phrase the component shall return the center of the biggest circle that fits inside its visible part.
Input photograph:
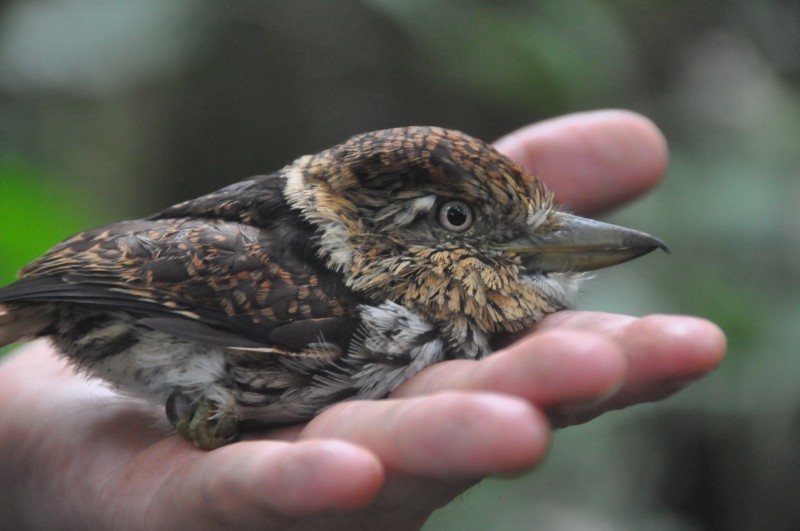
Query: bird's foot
(206, 424)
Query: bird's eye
(455, 216)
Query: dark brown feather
(231, 279)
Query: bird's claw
(208, 426)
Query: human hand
(96, 460)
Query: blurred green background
(113, 110)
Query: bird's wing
(257, 201)
(210, 280)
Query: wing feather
(207, 279)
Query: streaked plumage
(339, 276)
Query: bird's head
(443, 224)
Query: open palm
(97, 460)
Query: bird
(337, 277)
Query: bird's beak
(578, 244)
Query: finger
(593, 161)
(117, 471)
(552, 370)
(446, 435)
(664, 352)
(265, 485)
(438, 445)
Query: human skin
(76, 455)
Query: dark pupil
(457, 215)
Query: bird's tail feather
(23, 322)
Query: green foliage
(535, 56)
(121, 100)
(37, 213)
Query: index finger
(593, 161)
